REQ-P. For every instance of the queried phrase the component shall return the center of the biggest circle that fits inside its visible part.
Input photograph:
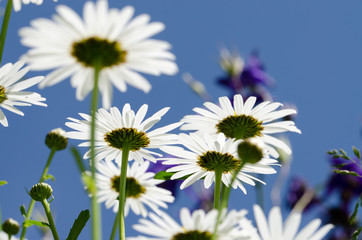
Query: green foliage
(356, 233)
(78, 225)
(2, 182)
(48, 176)
(163, 175)
(23, 211)
(29, 222)
(78, 160)
(342, 154)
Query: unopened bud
(41, 191)
(11, 227)
(55, 139)
(249, 152)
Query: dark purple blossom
(347, 186)
(297, 188)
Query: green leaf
(30, 222)
(49, 176)
(356, 152)
(78, 225)
(346, 172)
(78, 159)
(163, 175)
(3, 182)
(356, 233)
(354, 214)
(23, 211)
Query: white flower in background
(11, 90)
(114, 129)
(4, 236)
(274, 229)
(210, 152)
(198, 225)
(242, 120)
(107, 38)
(17, 3)
(141, 188)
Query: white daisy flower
(243, 120)
(274, 229)
(11, 89)
(113, 129)
(17, 3)
(107, 37)
(4, 236)
(210, 152)
(198, 225)
(141, 188)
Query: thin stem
(218, 175)
(32, 202)
(114, 229)
(96, 211)
(4, 27)
(225, 198)
(50, 219)
(122, 191)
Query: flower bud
(11, 227)
(41, 191)
(250, 152)
(55, 139)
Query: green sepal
(29, 223)
(356, 233)
(78, 225)
(346, 172)
(163, 175)
(3, 182)
(357, 153)
(48, 176)
(23, 211)
(51, 199)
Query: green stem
(217, 191)
(96, 211)
(50, 219)
(4, 27)
(114, 229)
(122, 191)
(32, 202)
(225, 198)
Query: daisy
(208, 153)
(113, 129)
(141, 188)
(198, 225)
(17, 3)
(4, 236)
(276, 230)
(105, 38)
(11, 93)
(243, 120)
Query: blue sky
(311, 48)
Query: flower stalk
(52, 227)
(96, 211)
(32, 202)
(122, 191)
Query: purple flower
(250, 76)
(347, 186)
(297, 188)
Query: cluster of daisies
(120, 48)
